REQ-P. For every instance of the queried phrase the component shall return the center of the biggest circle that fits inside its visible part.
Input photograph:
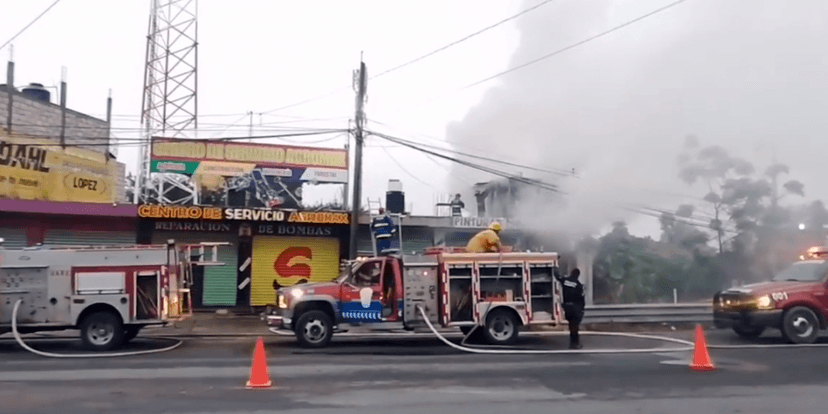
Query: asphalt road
(421, 375)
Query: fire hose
(107, 355)
(687, 345)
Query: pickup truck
(795, 301)
(500, 292)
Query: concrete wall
(42, 119)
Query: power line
(563, 173)
(406, 171)
(30, 24)
(456, 42)
(527, 181)
(574, 45)
(336, 91)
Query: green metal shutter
(13, 238)
(59, 237)
(220, 282)
(416, 239)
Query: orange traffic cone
(258, 374)
(701, 359)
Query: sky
(745, 74)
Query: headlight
(297, 293)
(282, 302)
(764, 302)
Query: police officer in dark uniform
(574, 304)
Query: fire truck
(795, 301)
(499, 292)
(109, 293)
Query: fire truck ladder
(373, 210)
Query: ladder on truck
(373, 211)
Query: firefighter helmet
(495, 227)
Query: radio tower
(169, 108)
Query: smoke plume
(747, 75)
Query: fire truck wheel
(501, 327)
(314, 329)
(800, 325)
(102, 331)
(749, 331)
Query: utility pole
(360, 84)
(250, 132)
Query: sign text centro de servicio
(242, 214)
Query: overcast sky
(747, 74)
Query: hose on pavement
(107, 355)
(687, 345)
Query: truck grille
(734, 301)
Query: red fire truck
(795, 301)
(501, 292)
(108, 292)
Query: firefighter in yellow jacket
(487, 240)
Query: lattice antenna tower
(169, 108)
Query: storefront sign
(294, 230)
(32, 169)
(242, 214)
(191, 226)
(475, 222)
(180, 212)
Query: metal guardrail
(649, 313)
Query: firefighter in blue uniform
(574, 304)
(384, 230)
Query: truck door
(362, 293)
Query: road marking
(291, 371)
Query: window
(368, 274)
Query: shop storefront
(267, 246)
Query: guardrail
(649, 313)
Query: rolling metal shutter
(58, 237)
(288, 260)
(220, 282)
(363, 241)
(415, 239)
(13, 238)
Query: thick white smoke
(746, 75)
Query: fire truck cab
(795, 301)
(109, 293)
(498, 292)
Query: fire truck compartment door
(113, 302)
(420, 281)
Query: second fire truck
(499, 292)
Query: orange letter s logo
(285, 270)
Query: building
(59, 180)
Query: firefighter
(487, 240)
(384, 230)
(457, 206)
(574, 304)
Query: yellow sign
(36, 169)
(262, 155)
(287, 260)
(179, 212)
(319, 218)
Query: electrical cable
(456, 42)
(19, 340)
(406, 171)
(30, 24)
(528, 181)
(574, 45)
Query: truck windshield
(806, 271)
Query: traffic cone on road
(259, 377)
(701, 359)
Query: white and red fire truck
(500, 292)
(108, 292)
